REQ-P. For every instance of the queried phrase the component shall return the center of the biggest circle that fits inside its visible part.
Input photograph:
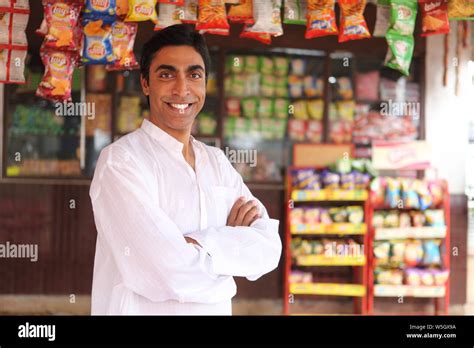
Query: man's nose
(180, 87)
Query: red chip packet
(434, 16)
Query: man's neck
(183, 136)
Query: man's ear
(145, 87)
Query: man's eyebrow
(165, 67)
(195, 67)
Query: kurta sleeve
(150, 251)
(241, 251)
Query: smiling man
(175, 221)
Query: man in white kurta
(164, 244)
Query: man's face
(176, 88)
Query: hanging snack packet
(212, 17)
(100, 9)
(56, 82)
(141, 10)
(353, 26)
(434, 17)
(267, 17)
(294, 12)
(123, 39)
(12, 66)
(97, 43)
(190, 9)
(172, 2)
(242, 13)
(15, 4)
(403, 16)
(264, 38)
(168, 15)
(382, 23)
(461, 9)
(400, 51)
(62, 19)
(12, 29)
(321, 19)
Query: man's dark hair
(175, 35)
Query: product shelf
(331, 289)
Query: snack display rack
(438, 292)
(357, 286)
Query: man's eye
(196, 75)
(165, 75)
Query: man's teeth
(180, 106)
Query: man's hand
(243, 213)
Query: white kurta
(146, 198)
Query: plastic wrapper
(382, 22)
(265, 108)
(190, 9)
(434, 16)
(435, 217)
(347, 181)
(314, 131)
(353, 25)
(100, 9)
(242, 13)
(294, 12)
(413, 253)
(281, 66)
(12, 66)
(400, 52)
(403, 16)
(393, 192)
(232, 107)
(297, 216)
(405, 220)
(281, 106)
(311, 216)
(378, 219)
(250, 107)
(321, 19)
(313, 87)
(413, 277)
(16, 4)
(315, 109)
(298, 66)
(168, 15)
(247, 33)
(56, 82)
(297, 129)
(295, 86)
(97, 43)
(62, 20)
(267, 85)
(431, 253)
(418, 218)
(426, 277)
(12, 29)
(300, 110)
(461, 9)
(267, 18)
(338, 214)
(212, 17)
(355, 214)
(251, 64)
(398, 252)
(409, 194)
(381, 252)
(123, 39)
(344, 88)
(122, 8)
(141, 10)
(331, 180)
(440, 276)
(392, 219)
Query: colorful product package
(440, 276)
(294, 12)
(12, 28)
(353, 26)
(251, 65)
(297, 216)
(100, 9)
(297, 129)
(435, 217)
(311, 216)
(267, 85)
(295, 86)
(97, 43)
(378, 219)
(212, 17)
(314, 131)
(280, 66)
(62, 20)
(355, 215)
(409, 194)
(381, 252)
(403, 16)
(391, 219)
(168, 14)
(382, 22)
(434, 17)
(123, 39)
(413, 253)
(321, 19)
(461, 10)
(242, 13)
(232, 107)
(426, 277)
(266, 65)
(398, 252)
(315, 109)
(431, 253)
(265, 108)
(331, 180)
(247, 33)
(393, 192)
(267, 17)
(281, 107)
(190, 9)
(250, 107)
(298, 66)
(400, 51)
(172, 2)
(281, 86)
(56, 82)
(300, 110)
(412, 276)
(141, 10)
(347, 181)
(313, 87)
(122, 8)
(235, 64)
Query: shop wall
(447, 123)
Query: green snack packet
(228, 85)
(250, 107)
(281, 86)
(266, 129)
(280, 129)
(251, 64)
(280, 108)
(403, 16)
(235, 64)
(267, 86)
(281, 66)
(400, 51)
(207, 124)
(229, 127)
(266, 65)
(238, 85)
(265, 108)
